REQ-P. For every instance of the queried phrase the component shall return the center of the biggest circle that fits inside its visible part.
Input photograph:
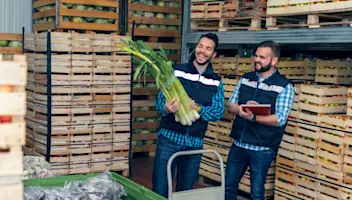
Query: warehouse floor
(142, 168)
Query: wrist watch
(254, 118)
(198, 108)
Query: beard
(205, 62)
(263, 68)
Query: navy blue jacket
(264, 93)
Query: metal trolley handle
(193, 152)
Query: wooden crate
(294, 109)
(317, 100)
(297, 70)
(12, 191)
(225, 65)
(49, 15)
(230, 9)
(306, 187)
(244, 65)
(281, 7)
(229, 86)
(173, 18)
(228, 24)
(307, 143)
(198, 10)
(252, 8)
(146, 120)
(13, 100)
(73, 42)
(331, 149)
(349, 102)
(76, 69)
(334, 71)
(9, 40)
(285, 181)
(287, 148)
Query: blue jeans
(238, 161)
(187, 167)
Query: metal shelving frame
(322, 37)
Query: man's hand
(173, 106)
(252, 103)
(246, 114)
(193, 104)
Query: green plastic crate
(134, 191)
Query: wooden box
(87, 15)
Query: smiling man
(205, 88)
(257, 138)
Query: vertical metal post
(48, 92)
(186, 20)
(23, 30)
(131, 108)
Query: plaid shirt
(284, 103)
(207, 113)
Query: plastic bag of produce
(101, 187)
(36, 167)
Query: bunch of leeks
(159, 67)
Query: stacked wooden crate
(86, 15)
(307, 13)
(12, 125)
(334, 71)
(145, 118)
(158, 24)
(218, 138)
(253, 8)
(226, 15)
(10, 44)
(79, 90)
(349, 102)
(296, 69)
(313, 161)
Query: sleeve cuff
(201, 110)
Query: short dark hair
(213, 37)
(275, 47)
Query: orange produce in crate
(6, 88)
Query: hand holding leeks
(159, 67)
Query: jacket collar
(208, 71)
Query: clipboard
(261, 109)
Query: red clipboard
(261, 109)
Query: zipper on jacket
(246, 122)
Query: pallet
(307, 21)
(334, 71)
(73, 42)
(228, 24)
(10, 38)
(44, 19)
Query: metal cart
(209, 193)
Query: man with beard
(257, 138)
(205, 89)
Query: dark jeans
(187, 167)
(238, 161)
